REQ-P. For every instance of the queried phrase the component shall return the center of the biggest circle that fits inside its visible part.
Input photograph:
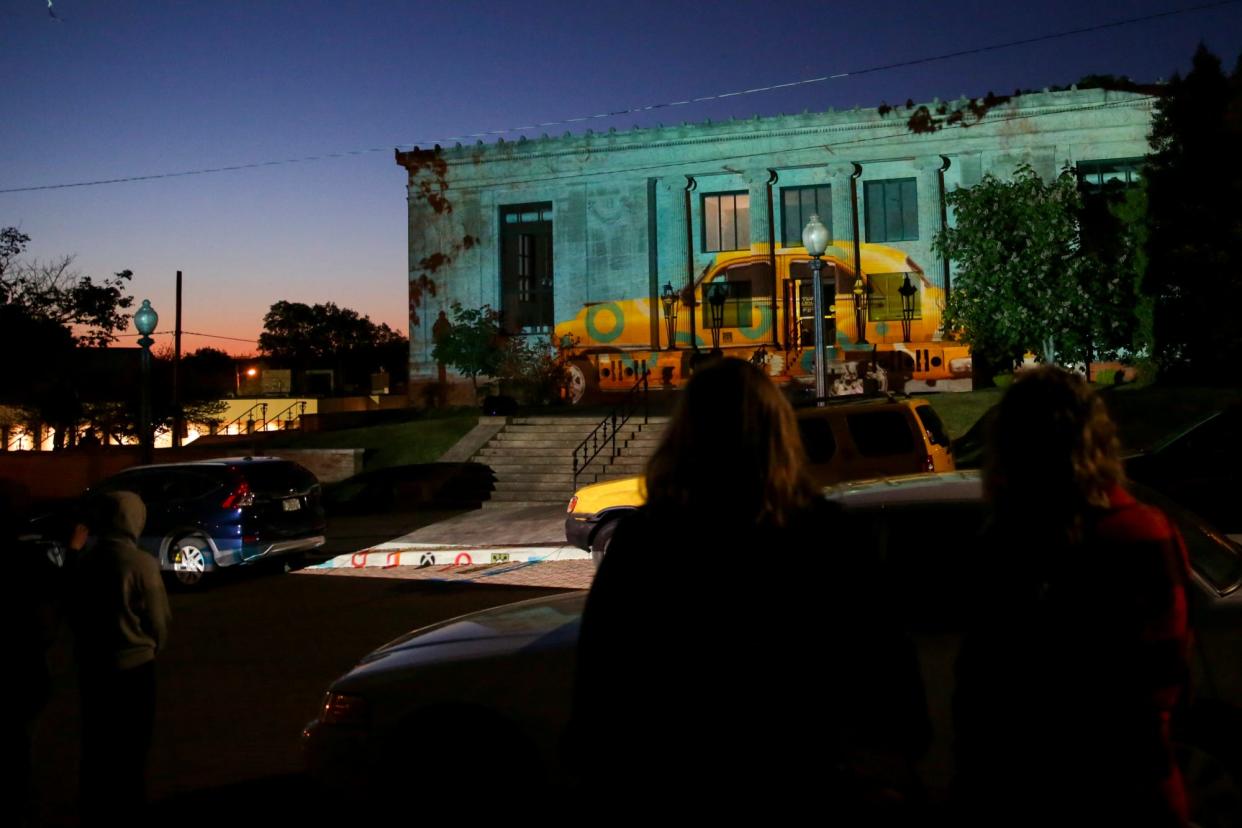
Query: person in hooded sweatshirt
(120, 621)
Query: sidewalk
(518, 545)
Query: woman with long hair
(734, 646)
(1078, 651)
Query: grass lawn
(393, 444)
(1145, 415)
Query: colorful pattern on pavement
(558, 574)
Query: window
(817, 439)
(526, 268)
(884, 300)
(726, 222)
(881, 433)
(798, 204)
(1117, 174)
(892, 210)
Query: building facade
(585, 238)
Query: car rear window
(277, 478)
(933, 424)
(880, 433)
(817, 439)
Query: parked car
(213, 514)
(493, 688)
(1200, 468)
(847, 439)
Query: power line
(252, 341)
(649, 108)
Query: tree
(1194, 223)
(472, 346)
(305, 336)
(55, 292)
(1022, 280)
(47, 309)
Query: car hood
(551, 621)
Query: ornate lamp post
(907, 291)
(860, 310)
(669, 299)
(815, 240)
(145, 321)
(716, 296)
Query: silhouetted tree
(1194, 220)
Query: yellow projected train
(736, 307)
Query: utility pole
(178, 418)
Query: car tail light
(342, 709)
(573, 503)
(240, 496)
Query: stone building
(582, 233)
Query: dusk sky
(125, 88)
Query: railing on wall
(604, 436)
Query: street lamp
(907, 292)
(145, 321)
(860, 310)
(815, 240)
(669, 300)
(716, 295)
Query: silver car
(493, 688)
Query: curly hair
(1052, 447)
(733, 447)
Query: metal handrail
(246, 415)
(300, 405)
(605, 434)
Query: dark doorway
(526, 268)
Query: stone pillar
(841, 177)
(931, 221)
(675, 247)
(760, 181)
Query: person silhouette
(1072, 664)
(700, 681)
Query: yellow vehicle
(735, 306)
(845, 440)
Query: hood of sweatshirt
(121, 514)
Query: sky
(124, 88)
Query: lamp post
(815, 240)
(907, 291)
(715, 304)
(860, 310)
(669, 299)
(145, 321)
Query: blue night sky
(124, 88)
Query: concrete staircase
(532, 457)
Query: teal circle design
(761, 330)
(594, 332)
(881, 328)
(843, 338)
(808, 360)
(683, 338)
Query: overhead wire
(648, 108)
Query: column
(931, 221)
(759, 181)
(674, 246)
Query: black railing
(287, 416)
(605, 434)
(248, 417)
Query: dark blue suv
(212, 514)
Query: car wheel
(581, 382)
(190, 557)
(601, 539)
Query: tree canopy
(325, 335)
(1194, 223)
(1022, 280)
(53, 291)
